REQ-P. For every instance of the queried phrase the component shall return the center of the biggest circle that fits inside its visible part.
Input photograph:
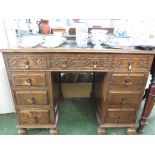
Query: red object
(76, 20)
(44, 27)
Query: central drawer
(79, 62)
(33, 97)
(34, 116)
(28, 79)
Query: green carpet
(76, 117)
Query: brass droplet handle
(64, 66)
(31, 100)
(26, 62)
(130, 65)
(35, 119)
(120, 118)
(123, 100)
(94, 66)
(29, 81)
(126, 83)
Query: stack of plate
(29, 41)
(53, 41)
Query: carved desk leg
(149, 102)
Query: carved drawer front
(34, 116)
(132, 62)
(34, 97)
(126, 80)
(124, 98)
(29, 79)
(79, 62)
(25, 61)
(120, 116)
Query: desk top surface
(72, 48)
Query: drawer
(28, 79)
(34, 97)
(79, 62)
(124, 98)
(128, 62)
(120, 116)
(34, 116)
(126, 80)
(25, 61)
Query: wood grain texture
(118, 84)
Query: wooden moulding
(36, 126)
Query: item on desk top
(82, 39)
(121, 34)
(28, 41)
(144, 47)
(98, 37)
(81, 34)
(44, 26)
(115, 42)
(53, 41)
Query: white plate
(29, 41)
(117, 47)
(53, 41)
(52, 45)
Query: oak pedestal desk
(120, 77)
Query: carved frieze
(144, 62)
(84, 62)
(26, 61)
(116, 62)
(40, 60)
(99, 61)
(58, 61)
(12, 61)
(130, 62)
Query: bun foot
(53, 132)
(22, 131)
(131, 131)
(100, 131)
(140, 130)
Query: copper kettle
(44, 26)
